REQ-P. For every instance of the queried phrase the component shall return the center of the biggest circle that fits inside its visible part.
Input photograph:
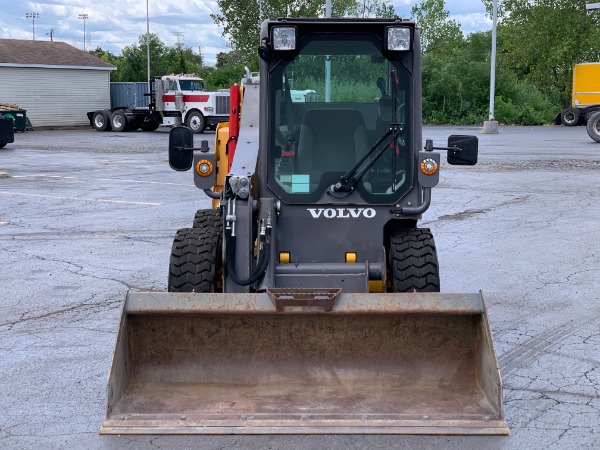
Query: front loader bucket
(421, 363)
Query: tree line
(538, 41)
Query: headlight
(284, 38)
(397, 39)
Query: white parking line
(83, 199)
(43, 175)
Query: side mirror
(462, 150)
(181, 149)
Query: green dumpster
(19, 118)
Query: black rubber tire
(118, 121)
(570, 117)
(208, 218)
(195, 264)
(2, 145)
(196, 122)
(412, 261)
(150, 125)
(593, 126)
(101, 121)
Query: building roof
(46, 54)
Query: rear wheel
(413, 264)
(208, 218)
(101, 121)
(593, 126)
(119, 121)
(2, 145)
(196, 122)
(196, 261)
(570, 117)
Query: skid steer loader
(307, 300)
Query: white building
(55, 82)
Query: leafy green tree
(240, 19)
(438, 33)
(371, 8)
(456, 88)
(542, 40)
(133, 63)
(107, 56)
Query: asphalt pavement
(87, 216)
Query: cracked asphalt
(86, 216)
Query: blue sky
(114, 24)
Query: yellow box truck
(586, 94)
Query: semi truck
(585, 99)
(175, 100)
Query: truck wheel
(570, 117)
(196, 122)
(593, 126)
(101, 121)
(413, 264)
(149, 125)
(196, 261)
(2, 145)
(119, 121)
(208, 218)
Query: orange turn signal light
(204, 168)
(429, 166)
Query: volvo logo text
(342, 213)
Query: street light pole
(148, 45)
(490, 126)
(32, 16)
(328, 60)
(83, 17)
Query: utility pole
(328, 60)
(51, 34)
(490, 126)
(179, 36)
(148, 47)
(32, 16)
(83, 17)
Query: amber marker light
(350, 257)
(429, 166)
(204, 168)
(284, 257)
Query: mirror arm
(429, 147)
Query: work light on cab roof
(284, 38)
(397, 39)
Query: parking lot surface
(87, 216)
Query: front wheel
(196, 122)
(195, 264)
(593, 126)
(412, 261)
(149, 125)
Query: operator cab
(358, 91)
